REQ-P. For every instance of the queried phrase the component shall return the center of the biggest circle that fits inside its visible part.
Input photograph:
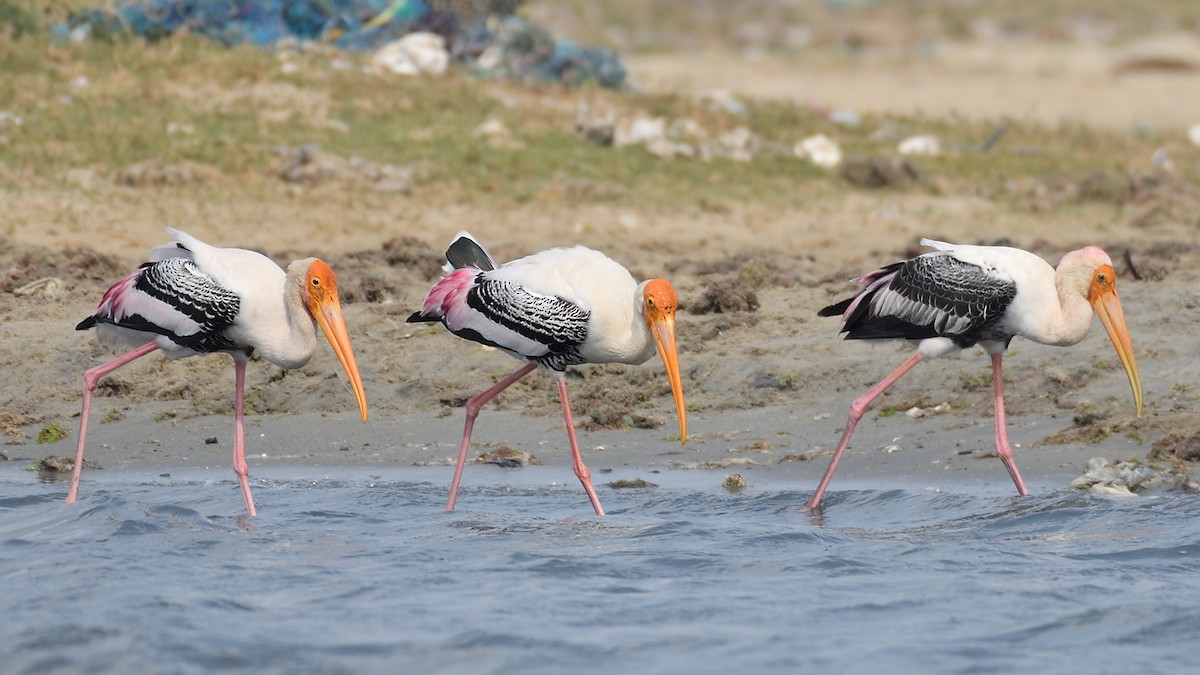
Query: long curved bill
(662, 327)
(1112, 317)
(329, 318)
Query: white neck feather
(294, 341)
(1071, 279)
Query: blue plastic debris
(469, 27)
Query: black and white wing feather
(172, 298)
(552, 326)
(933, 295)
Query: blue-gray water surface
(361, 571)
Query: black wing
(934, 295)
(466, 252)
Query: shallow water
(362, 571)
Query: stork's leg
(585, 476)
(474, 404)
(857, 409)
(91, 377)
(1003, 449)
(239, 433)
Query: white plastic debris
(820, 150)
(1194, 134)
(9, 120)
(917, 412)
(920, 146)
(635, 130)
(414, 54)
(737, 144)
(491, 58)
(1161, 159)
(720, 100)
(665, 149)
(498, 135)
(846, 117)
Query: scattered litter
(412, 55)
(1128, 478)
(639, 130)
(737, 145)
(1193, 133)
(520, 50)
(665, 149)
(846, 117)
(1162, 161)
(484, 35)
(820, 150)
(719, 100)
(917, 412)
(920, 146)
(597, 126)
(498, 135)
(10, 121)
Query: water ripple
(365, 573)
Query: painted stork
(959, 296)
(557, 308)
(193, 298)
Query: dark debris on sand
(507, 457)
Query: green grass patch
(106, 105)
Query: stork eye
(1102, 278)
(316, 283)
(649, 301)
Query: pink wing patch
(115, 303)
(449, 293)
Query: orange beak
(325, 308)
(662, 328)
(1103, 297)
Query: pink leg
(239, 433)
(473, 406)
(581, 470)
(1003, 449)
(857, 409)
(91, 377)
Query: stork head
(658, 307)
(1096, 267)
(321, 293)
